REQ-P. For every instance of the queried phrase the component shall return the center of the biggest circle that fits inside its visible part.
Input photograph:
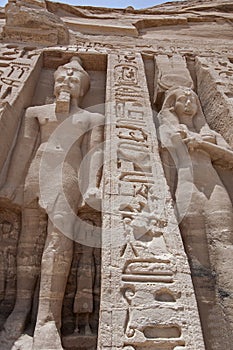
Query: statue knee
(58, 219)
(30, 197)
(64, 223)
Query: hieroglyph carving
(140, 266)
(19, 69)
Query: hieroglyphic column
(147, 298)
(19, 71)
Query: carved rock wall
(147, 261)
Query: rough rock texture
(30, 20)
(116, 162)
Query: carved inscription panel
(151, 292)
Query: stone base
(79, 342)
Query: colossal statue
(204, 209)
(53, 140)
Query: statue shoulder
(97, 119)
(37, 111)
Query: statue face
(68, 80)
(186, 104)
(6, 227)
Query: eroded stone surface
(75, 81)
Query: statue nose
(66, 81)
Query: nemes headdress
(75, 64)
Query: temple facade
(129, 114)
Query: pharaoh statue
(54, 140)
(204, 209)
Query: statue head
(182, 103)
(6, 227)
(186, 103)
(71, 78)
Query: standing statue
(84, 298)
(44, 140)
(204, 209)
(5, 235)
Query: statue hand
(192, 143)
(183, 131)
(209, 138)
(7, 191)
(93, 197)
(207, 134)
(178, 136)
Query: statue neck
(74, 104)
(66, 104)
(188, 121)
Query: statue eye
(74, 80)
(59, 80)
(181, 99)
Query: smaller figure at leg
(83, 301)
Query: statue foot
(46, 336)
(93, 197)
(7, 192)
(13, 329)
(76, 331)
(88, 330)
(23, 343)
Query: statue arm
(219, 155)
(171, 149)
(97, 130)
(93, 194)
(22, 153)
(96, 148)
(213, 143)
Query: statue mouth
(188, 111)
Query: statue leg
(2, 276)
(87, 330)
(28, 270)
(193, 232)
(55, 268)
(30, 248)
(219, 228)
(76, 329)
(56, 263)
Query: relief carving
(139, 228)
(9, 235)
(91, 250)
(83, 305)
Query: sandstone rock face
(30, 21)
(116, 162)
